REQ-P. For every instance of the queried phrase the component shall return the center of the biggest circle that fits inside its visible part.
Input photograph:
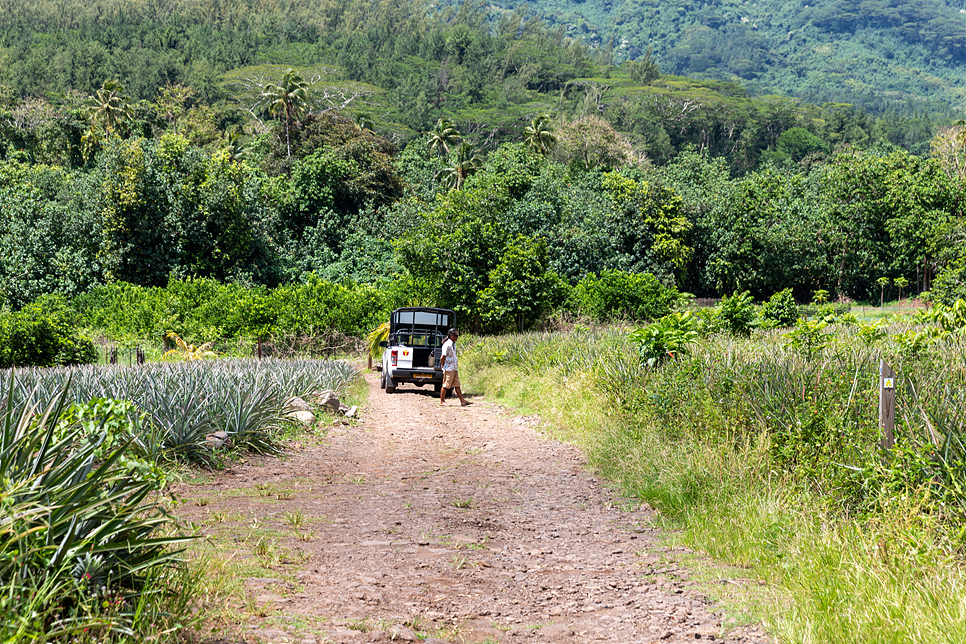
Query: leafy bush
(736, 314)
(43, 334)
(617, 295)
(315, 305)
(521, 289)
(913, 342)
(205, 310)
(808, 337)
(780, 310)
(950, 285)
(870, 333)
(665, 339)
(950, 318)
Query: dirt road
(460, 524)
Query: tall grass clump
(87, 553)
(763, 451)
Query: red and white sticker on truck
(405, 358)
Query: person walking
(449, 364)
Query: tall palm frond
(442, 136)
(538, 136)
(466, 162)
(376, 336)
(187, 351)
(107, 112)
(109, 108)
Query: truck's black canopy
(421, 318)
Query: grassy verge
(763, 461)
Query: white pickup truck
(412, 352)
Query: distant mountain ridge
(880, 54)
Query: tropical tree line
(503, 235)
(310, 172)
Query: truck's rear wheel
(390, 386)
(438, 387)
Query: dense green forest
(490, 164)
(501, 237)
(400, 65)
(882, 54)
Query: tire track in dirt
(455, 524)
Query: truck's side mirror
(383, 344)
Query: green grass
(873, 311)
(766, 461)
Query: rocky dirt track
(456, 524)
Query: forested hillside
(398, 64)
(881, 54)
(276, 143)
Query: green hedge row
(46, 332)
(43, 333)
(205, 310)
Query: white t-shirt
(449, 350)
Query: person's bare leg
(459, 393)
(442, 395)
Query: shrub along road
(462, 524)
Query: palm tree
(442, 136)
(108, 111)
(538, 136)
(109, 108)
(466, 163)
(901, 282)
(236, 144)
(290, 100)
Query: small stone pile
(298, 409)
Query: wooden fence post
(887, 405)
(259, 348)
